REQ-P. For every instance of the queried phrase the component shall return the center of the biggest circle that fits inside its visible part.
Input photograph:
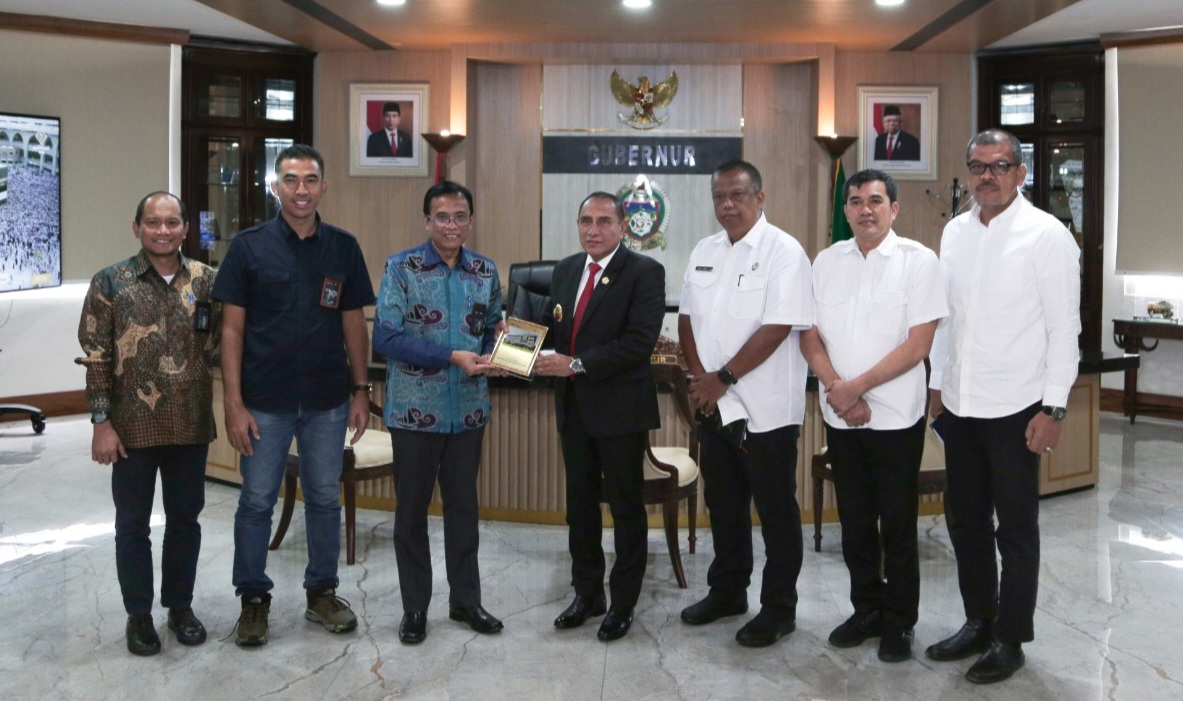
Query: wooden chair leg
(285, 516)
(670, 515)
(818, 487)
(350, 489)
(692, 517)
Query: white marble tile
(1107, 626)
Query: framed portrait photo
(385, 120)
(898, 131)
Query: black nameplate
(692, 155)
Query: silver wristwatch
(577, 366)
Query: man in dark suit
(894, 144)
(382, 143)
(608, 304)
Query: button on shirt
(1014, 313)
(294, 342)
(425, 311)
(729, 292)
(864, 308)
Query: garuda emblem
(647, 214)
(644, 99)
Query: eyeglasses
(999, 168)
(459, 219)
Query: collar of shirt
(1005, 217)
(142, 265)
(603, 262)
(431, 257)
(755, 235)
(887, 247)
(287, 230)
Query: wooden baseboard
(1163, 406)
(51, 404)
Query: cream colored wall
(113, 98)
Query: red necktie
(582, 303)
(394, 144)
(890, 146)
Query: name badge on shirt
(330, 293)
(704, 268)
(201, 317)
(476, 320)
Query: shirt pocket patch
(889, 313)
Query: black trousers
(991, 473)
(764, 468)
(609, 469)
(133, 489)
(421, 459)
(875, 485)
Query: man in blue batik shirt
(439, 309)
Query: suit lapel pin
(558, 312)
(604, 280)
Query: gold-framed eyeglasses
(459, 218)
(998, 168)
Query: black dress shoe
(142, 639)
(583, 608)
(716, 605)
(615, 624)
(973, 639)
(857, 629)
(476, 617)
(896, 646)
(1000, 662)
(185, 626)
(767, 627)
(413, 629)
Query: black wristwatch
(726, 376)
(367, 388)
(98, 417)
(1056, 412)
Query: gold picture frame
(366, 124)
(518, 346)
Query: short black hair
(617, 205)
(740, 164)
(391, 107)
(871, 175)
(996, 137)
(447, 187)
(144, 203)
(300, 152)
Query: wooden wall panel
(506, 164)
(386, 214)
(779, 125)
(921, 217)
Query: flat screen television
(30, 201)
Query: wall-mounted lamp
(442, 143)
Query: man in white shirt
(878, 298)
(745, 301)
(1003, 364)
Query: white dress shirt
(1013, 289)
(864, 309)
(730, 291)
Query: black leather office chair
(528, 297)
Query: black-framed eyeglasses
(998, 168)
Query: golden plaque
(517, 348)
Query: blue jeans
(320, 440)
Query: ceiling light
(636, 4)
(392, 2)
(889, 3)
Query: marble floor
(1110, 605)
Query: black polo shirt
(294, 291)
